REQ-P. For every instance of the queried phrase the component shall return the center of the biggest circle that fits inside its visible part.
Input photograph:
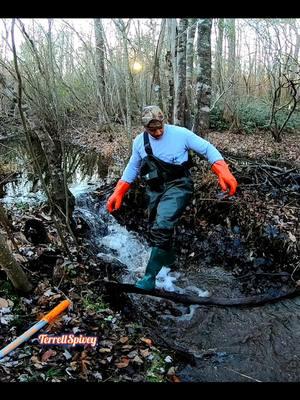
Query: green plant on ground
(253, 115)
(54, 373)
(90, 304)
(156, 371)
(22, 206)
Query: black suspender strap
(147, 144)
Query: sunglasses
(153, 130)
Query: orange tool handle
(56, 311)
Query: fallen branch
(207, 301)
(258, 161)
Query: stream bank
(232, 247)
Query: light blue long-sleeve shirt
(172, 147)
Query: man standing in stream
(160, 155)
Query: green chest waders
(169, 189)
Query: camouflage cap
(151, 113)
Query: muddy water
(235, 344)
(222, 344)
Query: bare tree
(203, 90)
(123, 31)
(156, 81)
(171, 66)
(229, 113)
(100, 70)
(190, 50)
(13, 270)
(181, 73)
(219, 56)
(60, 198)
(274, 124)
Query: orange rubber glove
(226, 179)
(115, 200)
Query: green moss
(156, 371)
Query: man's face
(155, 129)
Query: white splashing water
(127, 247)
(83, 187)
(134, 252)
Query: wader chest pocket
(151, 175)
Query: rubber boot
(158, 259)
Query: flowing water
(223, 344)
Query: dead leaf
(104, 350)
(145, 353)
(132, 354)
(149, 342)
(10, 245)
(138, 360)
(46, 217)
(54, 239)
(292, 237)
(174, 378)
(3, 303)
(21, 238)
(73, 365)
(84, 362)
(123, 339)
(10, 303)
(19, 258)
(47, 355)
(84, 367)
(123, 362)
(126, 347)
(36, 362)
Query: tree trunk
(169, 73)
(219, 56)
(156, 84)
(229, 109)
(203, 90)
(100, 72)
(189, 72)
(181, 73)
(14, 272)
(170, 67)
(295, 63)
(122, 28)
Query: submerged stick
(36, 327)
(207, 301)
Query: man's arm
(124, 184)
(219, 166)
(203, 147)
(133, 166)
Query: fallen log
(187, 299)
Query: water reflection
(84, 169)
